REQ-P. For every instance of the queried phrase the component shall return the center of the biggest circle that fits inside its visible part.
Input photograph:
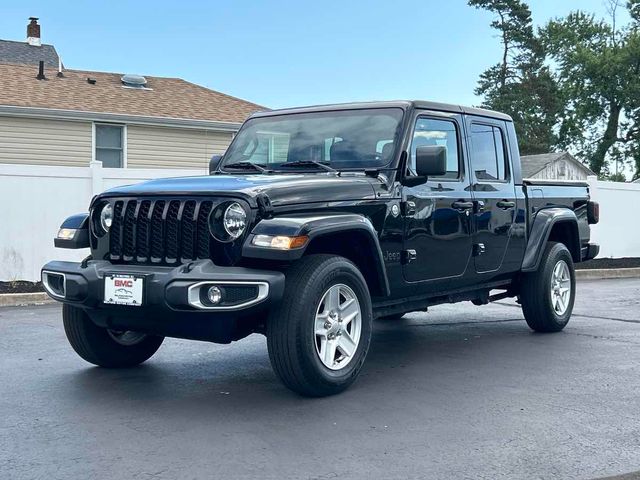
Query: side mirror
(431, 160)
(213, 163)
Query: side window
(429, 131)
(488, 159)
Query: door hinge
(408, 208)
(408, 256)
(478, 249)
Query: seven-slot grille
(166, 231)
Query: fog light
(214, 295)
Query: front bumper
(172, 304)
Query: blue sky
(284, 52)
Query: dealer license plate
(123, 290)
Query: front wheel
(319, 336)
(547, 295)
(104, 347)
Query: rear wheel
(319, 336)
(547, 295)
(105, 347)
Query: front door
(438, 213)
(493, 191)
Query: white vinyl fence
(618, 232)
(34, 201)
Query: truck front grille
(162, 231)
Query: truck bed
(543, 194)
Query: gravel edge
(598, 274)
(24, 299)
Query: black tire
(535, 292)
(95, 345)
(291, 339)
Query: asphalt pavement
(459, 392)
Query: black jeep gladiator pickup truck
(314, 222)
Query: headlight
(106, 217)
(234, 220)
(228, 221)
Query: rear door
(438, 212)
(493, 190)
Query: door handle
(461, 205)
(505, 204)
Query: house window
(110, 145)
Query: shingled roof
(164, 97)
(532, 164)
(25, 54)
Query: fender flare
(80, 225)
(316, 226)
(543, 223)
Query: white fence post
(592, 180)
(97, 177)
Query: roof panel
(422, 104)
(25, 54)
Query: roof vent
(133, 81)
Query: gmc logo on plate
(123, 283)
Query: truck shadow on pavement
(402, 356)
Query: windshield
(347, 139)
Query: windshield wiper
(245, 165)
(308, 163)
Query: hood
(281, 189)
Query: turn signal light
(593, 212)
(67, 233)
(280, 242)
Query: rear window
(488, 153)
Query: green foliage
(597, 68)
(574, 84)
(634, 9)
(520, 85)
(615, 177)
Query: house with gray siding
(554, 166)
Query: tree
(521, 85)
(598, 69)
(634, 10)
(633, 127)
